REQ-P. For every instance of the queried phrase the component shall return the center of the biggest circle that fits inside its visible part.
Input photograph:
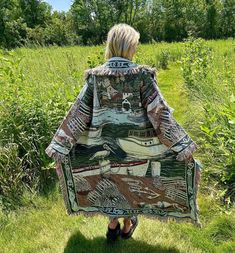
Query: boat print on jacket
(121, 152)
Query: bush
(15, 33)
(218, 124)
(25, 126)
(196, 66)
(218, 129)
(164, 59)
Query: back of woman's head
(122, 41)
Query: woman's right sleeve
(75, 122)
(168, 131)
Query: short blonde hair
(121, 38)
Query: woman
(124, 131)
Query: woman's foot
(127, 225)
(130, 225)
(113, 223)
(113, 232)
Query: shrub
(218, 124)
(196, 66)
(164, 59)
(24, 125)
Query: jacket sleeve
(168, 131)
(76, 121)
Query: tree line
(30, 22)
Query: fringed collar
(118, 66)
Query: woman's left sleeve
(76, 121)
(169, 132)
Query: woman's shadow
(77, 243)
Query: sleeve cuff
(187, 152)
(55, 155)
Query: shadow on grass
(77, 243)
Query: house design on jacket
(114, 158)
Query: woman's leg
(113, 222)
(114, 229)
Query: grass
(47, 228)
(42, 225)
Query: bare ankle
(127, 221)
(113, 223)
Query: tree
(7, 9)
(212, 17)
(15, 33)
(35, 12)
(93, 18)
(227, 19)
(174, 21)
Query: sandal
(134, 221)
(112, 234)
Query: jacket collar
(117, 66)
(117, 62)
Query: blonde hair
(120, 40)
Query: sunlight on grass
(47, 228)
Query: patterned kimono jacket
(120, 152)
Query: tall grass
(211, 83)
(37, 87)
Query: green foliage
(218, 125)
(195, 65)
(23, 123)
(58, 31)
(32, 22)
(34, 12)
(219, 128)
(164, 59)
(11, 177)
(15, 33)
(95, 59)
(227, 18)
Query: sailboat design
(142, 145)
(134, 168)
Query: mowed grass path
(44, 226)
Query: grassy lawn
(47, 228)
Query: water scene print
(124, 160)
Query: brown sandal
(134, 221)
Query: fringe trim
(166, 219)
(58, 157)
(103, 70)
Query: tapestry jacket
(120, 152)
(120, 113)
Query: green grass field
(46, 228)
(54, 76)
